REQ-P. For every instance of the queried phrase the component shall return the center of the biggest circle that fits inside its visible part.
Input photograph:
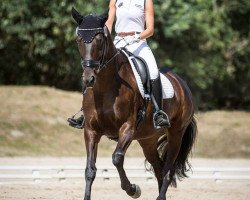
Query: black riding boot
(78, 122)
(160, 118)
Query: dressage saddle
(152, 90)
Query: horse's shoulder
(126, 72)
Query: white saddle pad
(167, 87)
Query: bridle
(97, 63)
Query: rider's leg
(160, 117)
(77, 122)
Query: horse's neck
(117, 73)
(111, 49)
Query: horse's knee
(118, 159)
(90, 174)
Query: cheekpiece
(90, 26)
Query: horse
(111, 102)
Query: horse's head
(92, 44)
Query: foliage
(37, 43)
(205, 41)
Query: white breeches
(140, 49)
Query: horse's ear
(106, 31)
(104, 17)
(77, 17)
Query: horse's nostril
(92, 79)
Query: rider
(134, 24)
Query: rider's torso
(130, 16)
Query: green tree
(205, 41)
(37, 42)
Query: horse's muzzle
(91, 81)
(84, 88)
(87, 82)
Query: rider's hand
(132, 39)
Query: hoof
(159, 198)
(137, 192)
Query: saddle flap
(142, 69)
(142, 76)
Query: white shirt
(130, 16)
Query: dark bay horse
(111, 103)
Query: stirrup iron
(164, 116)
(77, 123)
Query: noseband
(94, 63)
(90, 63)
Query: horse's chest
(113, 112)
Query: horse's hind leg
(180, 143)
(174, 145)
(124, 141)
(149, 147)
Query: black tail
(181, 165)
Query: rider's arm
(149, 15)
(112, 10)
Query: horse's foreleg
(124, 141)
(91, 142)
